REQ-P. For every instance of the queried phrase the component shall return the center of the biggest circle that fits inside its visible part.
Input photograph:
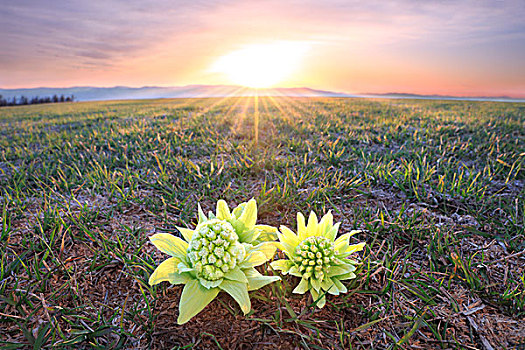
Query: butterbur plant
(314, 255)
(221, 253)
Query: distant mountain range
(90, 93)
(443, 97)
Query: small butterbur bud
(319, 258)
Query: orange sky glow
(461, 48)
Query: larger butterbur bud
(214, 249)
(220, 254)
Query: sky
(460, 48)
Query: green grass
(437, 186)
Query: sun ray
(242, 115)
(301, 105)
(292, 102)
(268, 120)
(219, 101)
(275, 101)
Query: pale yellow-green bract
(317, 257)
(219, 254)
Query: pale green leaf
(253, 259)
(184, 267)
(340, 270)
(239, 292)
(330, 235)
(236, 274)
(314, 293)
(311, 228)
(301, 227)
(343, 247)
(223, 212)
(339, 285)
(283, 265)
(286, 248)
(194, 298)
(210, 284)
(266, 228)
(168, 271)
(349, 250)
(255, 283)
(294, 271)
(347, 276)
(302, 287)
(328, 285)
(249, 215)
(342, 242)
(326, 223)
(321, 300)
(239, 228)
(202, 216)
(266, 233)
(251, 272)
(315, 284)
(267, 248)
(338, 261)
(256, 280)
(355, 248)
(170, 244)
(245, 235)
(238, 210)
(186, 233)
(288, 236)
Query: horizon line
(390, 94)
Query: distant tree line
(22, 100)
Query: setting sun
(263, 65)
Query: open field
(437, 186)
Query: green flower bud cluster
(314, 256)
(214, 249)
